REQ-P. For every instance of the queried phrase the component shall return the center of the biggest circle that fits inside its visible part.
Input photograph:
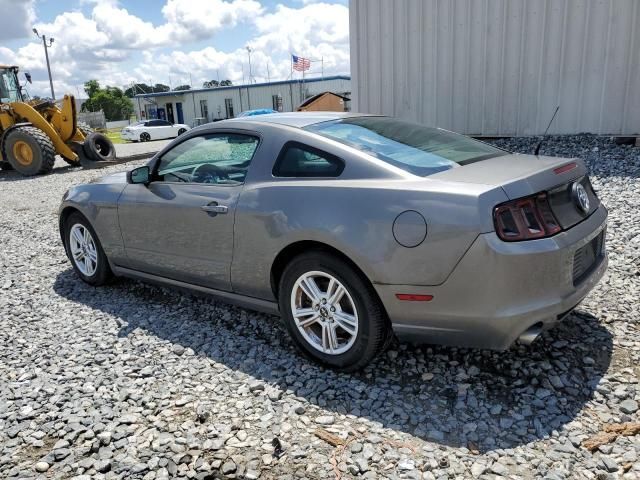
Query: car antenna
(544, 135)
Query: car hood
(518, 175)
(119, 177)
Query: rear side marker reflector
(565, 168)
(414, 298)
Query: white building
(208, 104)
(499, 67)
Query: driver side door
(180, 225)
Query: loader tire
(77, 147)
(5, 166)
(29, 151)
(85, 129)
(99, 148)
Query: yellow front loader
(33, 132)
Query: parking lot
(134, 381)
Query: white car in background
(153, 130)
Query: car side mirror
(139, 175)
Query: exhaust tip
(529, 335)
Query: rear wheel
(181, 131)
(77, 147)
(29, 151)
(332, 312)
(85, 129)
(85, 251)
(145, 137)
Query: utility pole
(46, 54)
(249, 53)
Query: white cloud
(199, 19)
(91, 47)
(16, 18)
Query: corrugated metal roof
(235, 87)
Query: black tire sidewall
(103, 271)
(93, 152)
(370, 317)
(38, 164)
(145, 137)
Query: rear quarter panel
(356, 217)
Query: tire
(78, 149)
(85, 129)
(360, 303)
(145, 137)
(99, 148)
(29, 151)
(5, 166)
(101, 274)
(181, 131)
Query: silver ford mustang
(351, 227)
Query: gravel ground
(133, 381)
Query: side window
(153, 123)
(297, 160)
(221, 159)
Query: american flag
(300, 64)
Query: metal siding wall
(499, 67)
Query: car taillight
(525, 219)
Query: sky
(174, 42)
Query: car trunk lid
(523, 175)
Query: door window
(221, 159)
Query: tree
(211, 84)
(160, 87)
(226, 83)
(91, 87)
(111, 100)
(137, 89)
(183, 87)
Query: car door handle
(215, 208)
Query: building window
(204, 109)
(228, 105)
(276, 101)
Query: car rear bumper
(499, 290)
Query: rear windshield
(415, 148)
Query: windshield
(415, 148)
(9, 89)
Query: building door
(170, 117)
(162, 115)
(179, 112)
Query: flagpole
(291, 81)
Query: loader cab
(10, 90)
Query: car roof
(297, 119)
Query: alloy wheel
(324, 312)
(83, 249)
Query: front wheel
(332, 312)
(85, 251)
(145, 137)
